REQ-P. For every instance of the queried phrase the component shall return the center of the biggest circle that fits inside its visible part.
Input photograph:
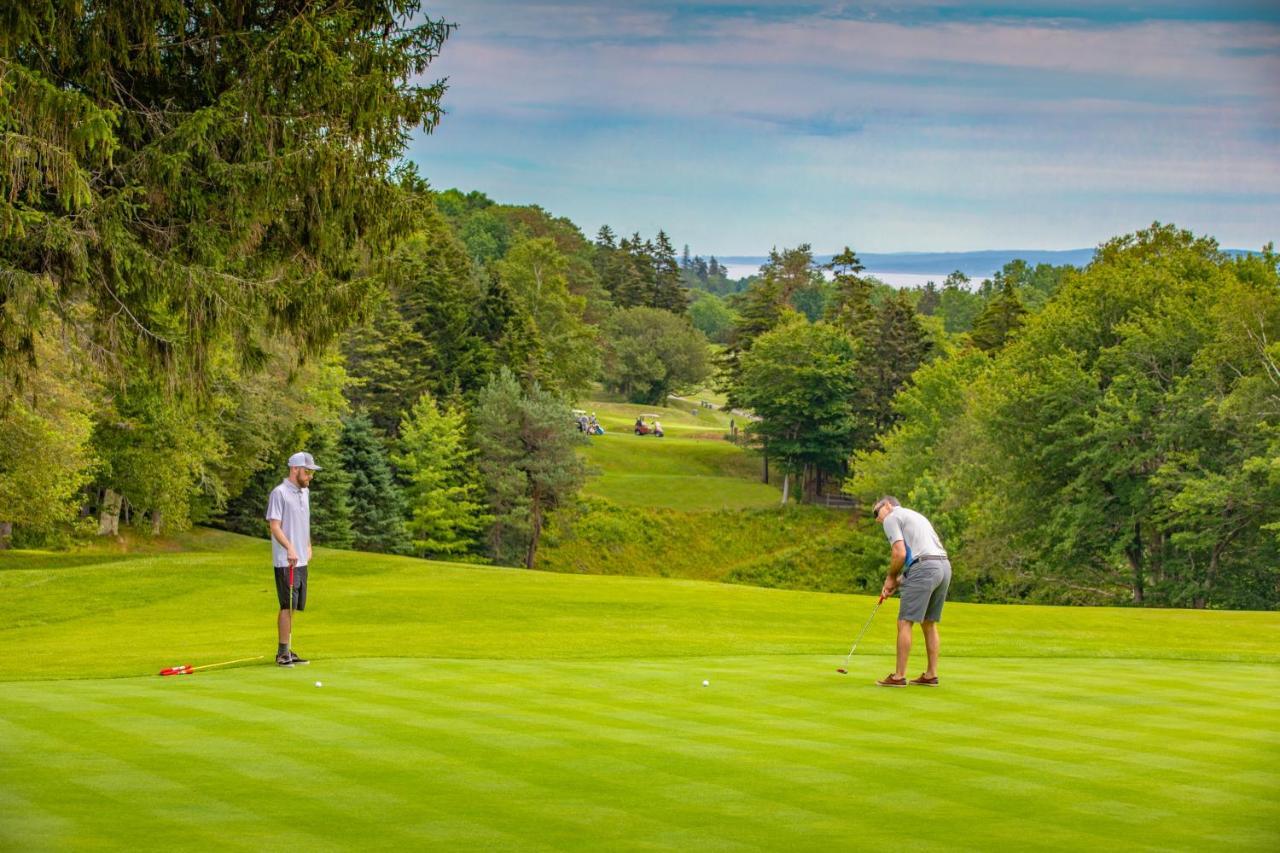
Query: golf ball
(318, 684)
(706, 683)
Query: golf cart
(651, 428)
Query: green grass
(484, 708)
(801, 547)
(692, 468)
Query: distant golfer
(915, 546)
(289, 513)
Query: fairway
(482, 708)
(691, 468)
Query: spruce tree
(669, 294)
(999, 320)
(896, 345)
(930, 299)
(181, 176)
(850, 306)
(761, 308)
(441, 484)
(528, 459)
(377, 507)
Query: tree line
(214, 255)
(1098, 435)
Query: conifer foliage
(377, 507)
(180, 174)
(445, 502)
(526, 445)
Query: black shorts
(299, 587)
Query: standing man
(289, 513)
(914, 545)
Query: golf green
(479, 708)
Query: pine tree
(527, 457)
(896, 345)
(669, 294)
(958, 305)
(178, 177)
(432, 458)
(629, 278)
(421, 336)
(1000, 319)
(762, 308)
(510, 332)
(930, 299)
(386, 358)
(850, 306)
(377, 507)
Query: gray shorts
(924, 589)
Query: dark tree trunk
(535, 534)
(811, 483)
(1135, 563)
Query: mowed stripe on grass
(483, 708)
(778, 750)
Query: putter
(844, 670)
(288, 642)
(187, 669)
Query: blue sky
(888, 126)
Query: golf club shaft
(187, 669)
(227, 662)
(288, 642)
(849, 656)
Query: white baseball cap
(303, 460)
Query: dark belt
(936, 557)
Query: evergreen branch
(141, 327)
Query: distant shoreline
(906, 269)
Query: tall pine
(433, 459)
(377, 507)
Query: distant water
(909, 269)
(897, 279)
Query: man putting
(914, 545)
(289, 514)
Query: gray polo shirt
(291, 506)
(916, 531)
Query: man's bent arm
(897, 557)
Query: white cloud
(749, 126)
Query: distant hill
(972, 264)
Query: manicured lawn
(481, 708)
(691, 468)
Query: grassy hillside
(691, 468)
(484, 708)
(799, 547)
(692, 505)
